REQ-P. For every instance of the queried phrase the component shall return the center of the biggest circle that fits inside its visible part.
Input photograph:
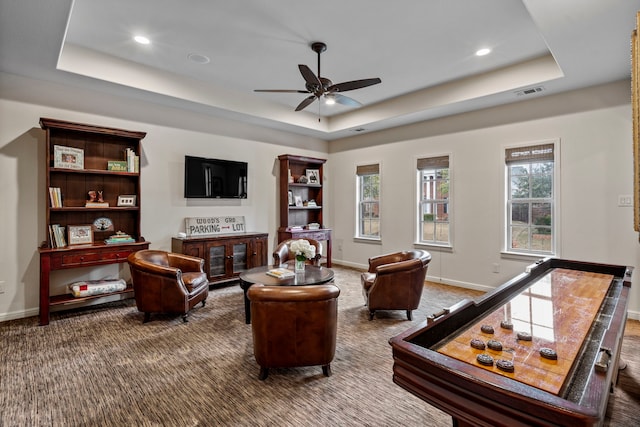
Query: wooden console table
(225, 255)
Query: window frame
(418, 200)
(361, 171)
(554, 200)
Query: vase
(299, 265)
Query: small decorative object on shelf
(313, 226)
(68, 157)
(127, 200)
(313, 176)
(103, 224)
(80, 235)
(303, 251)
(96, 200)
(303, 179)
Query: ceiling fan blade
(345, 100)
(309, 76)
(306, 102)
(354, 84)
(281, 90)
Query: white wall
(594, 129)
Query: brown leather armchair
(281, 254)
(395, 281)
(294, 326)
(166, 282)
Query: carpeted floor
(103, 367)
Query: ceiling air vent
(530, 91)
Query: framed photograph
(127, 200)
(298, 201)
(313, 175)
(68, 157)
(290, 198)
(80, 234)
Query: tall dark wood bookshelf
(295, 219)
(98, 146)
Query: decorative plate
(103, 224)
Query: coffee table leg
(247, 308)
(247, 304)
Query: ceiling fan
(321, 86)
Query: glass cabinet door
(216, 260)
(240, 257)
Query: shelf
(69, 299)
(305, 207)
(85, 209)
(297, 184)
(94, 172)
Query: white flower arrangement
(302, 249)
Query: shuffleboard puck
(494, 345)
(524, 336)
(484, 359)
(548, 353)
(505, 324)
(487, 329)
(477, 344)
(505, 365)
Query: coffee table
(312, 276)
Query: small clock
(103, 224)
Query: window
(530, 199)
(433, 200)
(368, 177)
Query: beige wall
(594, 128)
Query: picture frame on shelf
(291, 198)
(80, 234)
(313, 176)
(68, 157)
(298, 201)
(126, 200)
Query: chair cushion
(367, 280)
(194, 280)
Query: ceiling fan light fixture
(329, 99)
(482, 52)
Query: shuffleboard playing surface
(557, 311)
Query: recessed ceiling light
(483, 52)
(142, 39)
(198, 59)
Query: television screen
(214, 178)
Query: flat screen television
(214, 178)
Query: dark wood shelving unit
(294, 220)
(99, 146)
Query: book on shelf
(280, 273)
(133, 161)
(119, 238)
(295, 228)
(56, 235)
(118, 165)
(55, 197)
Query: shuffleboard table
(540, 350)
